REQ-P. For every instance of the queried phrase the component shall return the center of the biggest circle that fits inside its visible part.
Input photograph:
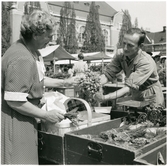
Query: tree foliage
(136, 23)
(67, 32)
(72, 44)
(126, 24)
(29, 7)
(6, 29)
(94, 39)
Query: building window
(105, 33)
(31, 6)
(87, 4)
(55, 36)
(119, 25)
(81, 34)
(98, 6)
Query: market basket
(87, 116)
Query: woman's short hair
(37, 22)
(139, 32)
(80, 56)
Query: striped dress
(19, 143)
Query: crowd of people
(71, 70)
(24, 82)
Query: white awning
(155, 53)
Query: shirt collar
(134, 60)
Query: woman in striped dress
(23, 84)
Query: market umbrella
(64, 62)
(55, 52)
(98, 56)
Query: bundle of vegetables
(131, 136)
(152, 114)
(88, 85)
(155, 115)
(73, 116)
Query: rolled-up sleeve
(142, 71)
(18, 80)
(113, 68)
(15, 96)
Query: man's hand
(99, 96)
(103, 79)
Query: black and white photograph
(83, 82)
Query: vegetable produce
(88, 85)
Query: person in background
(70, 72)
(142, 79)
(157, 62)
(23, 84)
(79, 67)
(65, 72)
(162, 72)
(163, 61)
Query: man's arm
(117, 93)
(111, 96)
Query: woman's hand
(54, 116)
(72, 81)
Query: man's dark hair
(138, 31)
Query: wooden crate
(51, 146)
(150, 158)
(80, 150)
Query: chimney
(164, 28)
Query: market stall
(98, 56)
(98, 138)
(55, 53)
(134, 135)
(51, 52)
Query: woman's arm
(28, 109)
(55, 82)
